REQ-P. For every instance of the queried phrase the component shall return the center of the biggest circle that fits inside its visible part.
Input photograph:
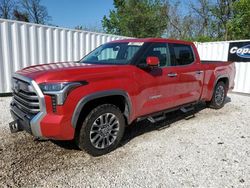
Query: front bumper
(44, 123)
(52, 126)
(23, 120)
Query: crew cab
(120, 82)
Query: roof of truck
(153, 40)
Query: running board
(187, 109)
(156, 119)
(158, 116)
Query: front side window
(181, 54)
(160, 50)
(107, 54)
(113, 53)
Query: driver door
(156, 88)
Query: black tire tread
(212, 104)
(82, 141)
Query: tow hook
(14, 128)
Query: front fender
(97, 95)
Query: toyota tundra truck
(92, 100)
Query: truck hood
(68, 71)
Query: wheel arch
(223, 78)
(99, 97)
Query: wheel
(219, 96)
(102, 130)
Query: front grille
(24, 97)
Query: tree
(239, 25)
(202, 11)
(181, 26)
(137, 18)
(36, 12)
(91, 28)
(20, 16)
(223, 13)
(6, 7)
(174, 22)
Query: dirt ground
(210, 150)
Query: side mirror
(153, 61)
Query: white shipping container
(25, 44)
(218, 51)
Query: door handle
(172, 74)
(199, 72)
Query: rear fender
(216, 81)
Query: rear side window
(181, 54)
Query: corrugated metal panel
(242, 79)
(213, 51)
(24, 44)
(219, 51)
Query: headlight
(60, 91)
(53, 87)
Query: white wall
(219, 51)
(24, 44)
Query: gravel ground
(210, 150)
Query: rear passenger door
(186, 69)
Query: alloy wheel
(104, 130)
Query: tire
(219, 96)
(102, 130)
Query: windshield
(113, 53)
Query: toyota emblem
(16, 86)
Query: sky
(88, 13)
(71, 13)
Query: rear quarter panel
(213, 72)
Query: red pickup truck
(120, 82)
